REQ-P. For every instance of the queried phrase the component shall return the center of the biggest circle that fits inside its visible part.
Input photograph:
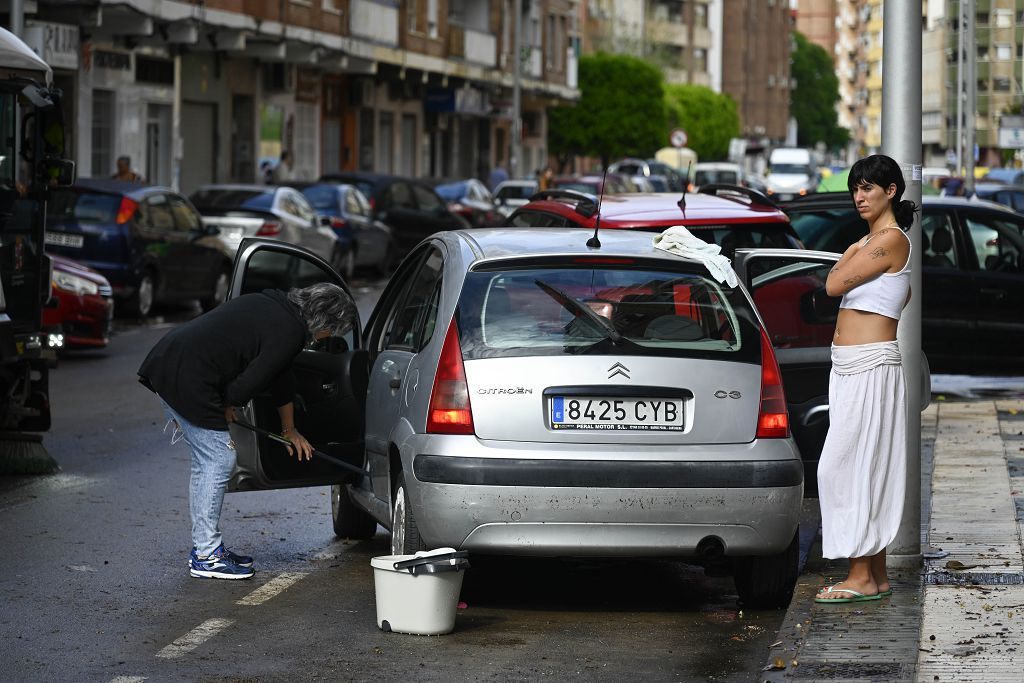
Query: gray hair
(325, 306)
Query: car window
(939, 248)
(746, 236)
(323, 198)
(302, 207)
(352, 207)
(215, 199)
(791, 297)
(535, 219)
(516, 191)
(658, 310)
(364, 204)
(828, 229)
(82, 207)
(287, 203)
(997, 243)
(416, 316)
(185, 217)
(397, 196)
(159, 213)
(426, 199)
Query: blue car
(367, 241)
(148, 241)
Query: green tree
(813, 104)
(621, 111)
(709, 118)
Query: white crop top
(885, 294)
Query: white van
(790, 173)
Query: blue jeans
(213, 460)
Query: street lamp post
(516, 149)
(901, 139)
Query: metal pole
(970, 106)
(18, 18)
(516, 149)
(901, 139)
(959, 147)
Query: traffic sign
(678, 138)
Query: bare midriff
(861, 327)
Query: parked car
(718, 172)
(972, 272)
(81, 307)
(512, 194)
(148, 241)
(366, 242)
(470, 199)
(791, 173)
(276, 212)
(512, 375)
(731, 217)
(409, 207)
(662, 177)
(1007, 195)
(614, 183)
(1008, 176)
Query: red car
(82, 307)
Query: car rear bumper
(542, 504)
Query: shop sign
(56, 44)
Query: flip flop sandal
(857, 597)
(885, 593)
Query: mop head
(25, 454)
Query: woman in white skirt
(862, 471)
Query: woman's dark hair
(883, 171)
(325, 306)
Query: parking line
(127, 679)
(271, 588)
(194, 638)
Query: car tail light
(803, 191)
(126, 210)
(772, 418)
(338, 223)
(269, 229)
(450, 411)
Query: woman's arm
(301, 446)
(861, 263)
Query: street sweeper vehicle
(32, 163)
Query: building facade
(210, 92)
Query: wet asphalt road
(96, 586)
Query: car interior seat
(942, 244)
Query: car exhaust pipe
(711, 548)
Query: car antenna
(682, 200)
(594, 242)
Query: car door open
(330, 379)
(788, 288)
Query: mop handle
(282, 440)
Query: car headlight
(74, 284)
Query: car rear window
(322, 197)
(773, 235)
(587, 188)
(657, 311)
(222, 200)
(517, 192)
(828, 229)
(709, 177)
(82, 207)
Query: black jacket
(226, 357)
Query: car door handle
(395, 382)
(997, 293)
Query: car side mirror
(56, 172)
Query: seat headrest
(942, 240)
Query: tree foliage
(814, 98)
(710, 119)
(621, 111)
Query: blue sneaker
(221, 551)
(217, 566)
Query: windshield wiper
(580, 309)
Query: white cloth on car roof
(680, 241)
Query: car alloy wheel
(405, 535)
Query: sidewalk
(961, 617)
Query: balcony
(481, 48)
(374, 21)
(532, 63)
(671, 33)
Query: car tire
(405, 535)
(348, 520)
(140, 303)
(219, 294)
(768, 581)
(344, 263)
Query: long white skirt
(862, 474)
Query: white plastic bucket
(420, 599)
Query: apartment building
(837, 26)
(871, 15)
(999, 51)
(755, 65)
(199, 92)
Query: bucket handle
(457, 560)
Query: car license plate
(63, 239)
(617, 414)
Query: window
(1003, 18)
(332, 6)
(102, 133)
(791, 297)
(426, 199)
(397, 196)
(302, 207)
(983, 52)
(981, 19)
(1001, 84)
(415, 320)
(185, 218)
(549, 44)
(997, 243)
(158, 214)
(536, 219)
(412, 12)
(432, 18)
(700, 15)
(352, 207)
(1004, 52)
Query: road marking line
(271, 588)
(194, 638)
(127, 679)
